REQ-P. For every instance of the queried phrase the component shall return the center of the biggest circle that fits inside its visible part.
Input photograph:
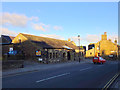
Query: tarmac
(34, 66)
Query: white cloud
(5, 31)
(75, 38)
(40, 26)
(52, 36)
(57, 27)
(34, 18)
(92, 38)
(95, 38)
(21, 20)
(18, 20)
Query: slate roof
(46, 42)
(7, 39)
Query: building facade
(104, 47)
(51, 50)
(82, 50)
(6, 43)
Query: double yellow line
(110, 82)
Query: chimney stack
(104, 36)
(69, 40)
(115, 41)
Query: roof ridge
(7, 35)
(49, 41)
(42, 37)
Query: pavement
(34, 66)
(116, 84)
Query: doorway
(68, 55)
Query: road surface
(86, 75)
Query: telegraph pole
(79, 46)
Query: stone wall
(5, 49)
(90, 53)
(7, 64)
(61, 55)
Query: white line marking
(85, 68)
(52, 77)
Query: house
(6, 43)
(82, 50)
(49, 49)
(6, 39)
(119, 51)
(104, 47)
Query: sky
(61, 20)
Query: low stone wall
(8, 64)
(12, 57)
(88, 57)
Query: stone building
(51, 49)
(104, 47)
(6, 43)
(119, 51)
(6, 39)
(82, 50)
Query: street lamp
(79, 46)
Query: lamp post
(99, 49)
(79, 46)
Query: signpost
(38, 54)
(11, 49)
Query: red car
(98, 60)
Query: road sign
(38, 53)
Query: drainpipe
(99, 48)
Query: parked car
(98, 60)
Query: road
(86, 75)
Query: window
(100, 58)
(63, 55)
(103, 52)
(95, 58)
(53, 55)
(56, 55)
(19, 40)
(82, 53)
(90, 53)
(50, 55)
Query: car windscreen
(101, 58)
(95, 58)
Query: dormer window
(19, 40)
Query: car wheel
(94, 62)
(101, 62)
